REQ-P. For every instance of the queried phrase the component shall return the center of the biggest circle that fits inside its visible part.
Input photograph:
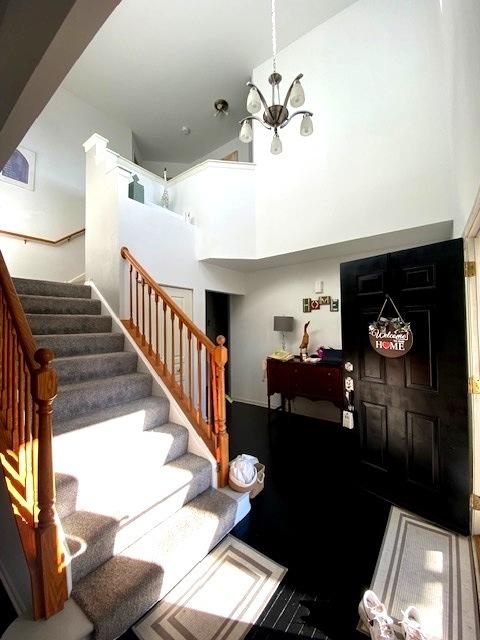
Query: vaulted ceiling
(158, 65)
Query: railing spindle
(165, 338)
(149, 319)
(180, 324)
(199, 379)
(156, 328)
(172, 321)
(190, 372)
(131, 295)
(137, 321)
(143, 311)
(208, 373)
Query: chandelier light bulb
(253, 101)
(276, 146)
(246, 132)
(306, 126)
(297, 97)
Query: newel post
(221, 359)
(49, 548)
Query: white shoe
(375, 617)
(411, 625)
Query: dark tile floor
(312, 517)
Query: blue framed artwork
(20, 169)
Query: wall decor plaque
(390, 337)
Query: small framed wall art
(334, 304)
(20, 169)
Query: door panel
(411, 412)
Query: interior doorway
(217, 322)
(184, 299)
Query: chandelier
(276, 116)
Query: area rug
(423, 565)
(220, 599)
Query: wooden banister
(26, 238)
(28, 386)
(167, 336)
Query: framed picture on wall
(20, 169)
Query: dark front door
(411, 412)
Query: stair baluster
(204, 403)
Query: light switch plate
(348, 421)
(318, 286)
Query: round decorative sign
(389, 341)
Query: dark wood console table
(315, 381)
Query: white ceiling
(156, 65)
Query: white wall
(175, 168)
(280, 291)
(221, 198)
(379, 158)
(460, 23)
(57, 205)
(161, 240)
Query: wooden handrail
(28, 386)
(189, 363)
(26, 238)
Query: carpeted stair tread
(85, 397)
(43, 323)
(94, 366)
(120, 591)
(146, 454)
(60, 305)
(94, 535)
(47, 288)
(134, 416)
(74, 344)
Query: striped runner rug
(423, 565)
(220, 599)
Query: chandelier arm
(299, 77)
(297, 113)
(257, 119)
(264, 102)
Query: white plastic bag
(242, 469)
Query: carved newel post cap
(44, 356)
(220, 341)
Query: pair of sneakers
(381, 626)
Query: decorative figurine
(165, 201)
(304, 342)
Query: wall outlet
(318, 286)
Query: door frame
(471, 236)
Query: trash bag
(243, 472)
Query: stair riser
(48, 324)
(73, 402)
(43, 288)
(109, 545)
(79, 345)
(41, 304)
(77, 370)
(66, 494)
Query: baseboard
(80, 279)
(256, 403)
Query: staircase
(137, 509)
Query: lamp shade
(282, 323)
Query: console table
(316, 381)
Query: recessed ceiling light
(185, 130)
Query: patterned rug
(423, 565)
(219, 600)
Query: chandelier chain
(274, 37)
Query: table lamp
(283, 324)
